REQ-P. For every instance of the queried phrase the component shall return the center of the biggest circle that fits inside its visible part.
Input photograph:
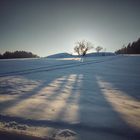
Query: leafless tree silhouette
(82, 47)
(98, 48)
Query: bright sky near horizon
(46, 27)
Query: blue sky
(51, 26)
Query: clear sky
(51, 26)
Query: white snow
(97, 98)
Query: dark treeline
(17, 54)
(131, 48)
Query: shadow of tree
(84, 107)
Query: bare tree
(77, 50)
(98, 48)
(82, 47)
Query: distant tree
(1, 56)
(77, 50)
(82, 47)
(98, 49)
(7, 54)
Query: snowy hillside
(60, 55)
(97, 98)
(100, 54)
(67, 55)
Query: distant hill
(67, 55)
(99, 54)
(60, 55)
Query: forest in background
(17, 54)
(131, 48)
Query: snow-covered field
(97, 98)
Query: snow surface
(97, 98)
(67, 55)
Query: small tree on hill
(82, 47)
(98, 49)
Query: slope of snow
(100, 54)
(97, 98)
(67, 55)
(60, 55)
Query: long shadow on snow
(123, 74)
(95, 114)
(8, 104)
(95, 110)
